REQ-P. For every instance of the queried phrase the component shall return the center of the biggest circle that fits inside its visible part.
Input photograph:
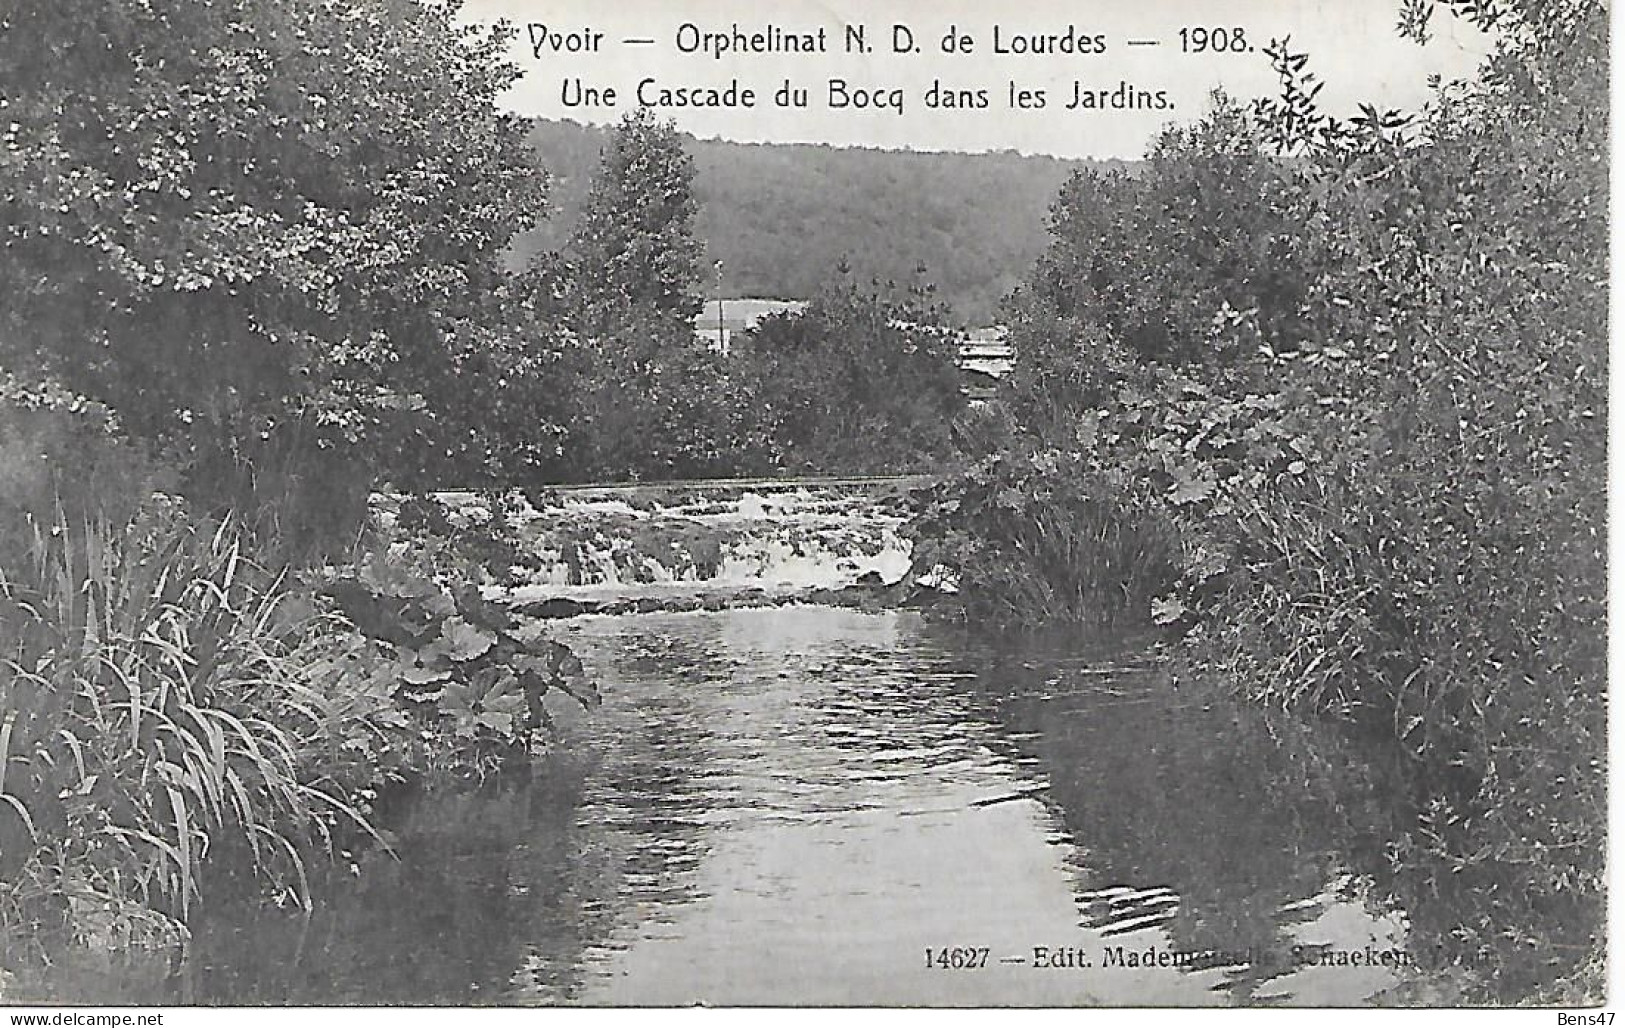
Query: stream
(806, 805)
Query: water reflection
(793, 806)
(1208, 826)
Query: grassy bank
(177, 718)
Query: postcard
(825, 504)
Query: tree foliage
(251, 227)
(1206, 193)
(782, 217)
(633, 248)
(863, 380)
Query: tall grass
(153, 714)
(1047, 538)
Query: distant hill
(781, 217)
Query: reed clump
(155, 710)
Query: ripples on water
(790, 806)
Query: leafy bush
(650, 402)
(862, 381)
(474, 686)
(471, 545)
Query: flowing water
(608, 546)
(811, 805)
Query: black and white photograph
(696, 503)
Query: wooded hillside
(781, 217)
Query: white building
(719, 320)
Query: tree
(648, 399)
(261, 230)
(634, 247)
(1145, 262)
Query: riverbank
(183, 724)
(856, 786)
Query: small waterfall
(605, 547)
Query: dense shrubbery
(1051, 536)
(648, 402)
(1364, 374)
(859, 381)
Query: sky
(1100, 55)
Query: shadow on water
(798, 805)
(1248, 840)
